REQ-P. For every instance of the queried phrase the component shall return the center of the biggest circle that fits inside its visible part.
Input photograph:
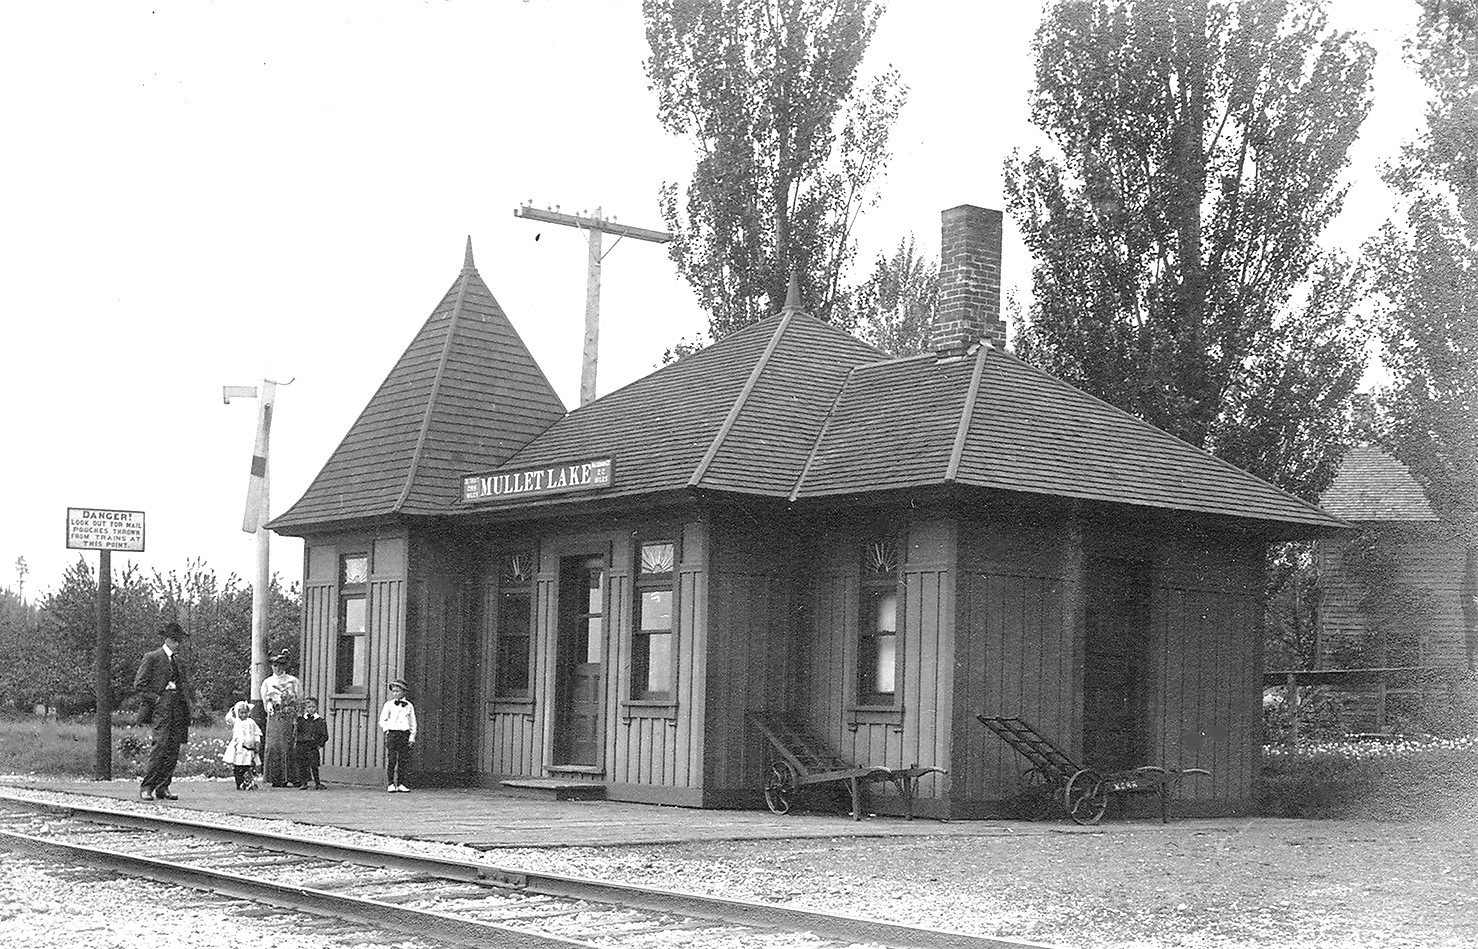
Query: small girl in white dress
(246, 742)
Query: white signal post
(254, 521)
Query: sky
(206, 194)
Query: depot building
(788, 520)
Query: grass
(43, 746)
(1380, 780)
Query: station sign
(91, 528)
(588, 475)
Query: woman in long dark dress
(282, 695)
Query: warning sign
(90, 528)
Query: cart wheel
(781, 788)
(1085, 798)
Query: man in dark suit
(166, 688)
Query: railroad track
(448, 901)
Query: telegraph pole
(594, 228)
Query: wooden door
(1115, 704)
(579, 663)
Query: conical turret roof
(464, 396)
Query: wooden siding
(926, 643)
(646, 747)
(508, 746)
(655, 746)
(753, 652)
(1022, 652)
(1020, 649)
(441, 658)
(353, 720)
(1205, 683)
(780, 643)
(1429, 558)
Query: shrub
(1385, 780)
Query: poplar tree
(1427, 271)
(1197, 151)
(894, 308)
(789, 145)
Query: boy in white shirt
(398, 722)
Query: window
(651, 638)
(351, 661)
(877, 626)
(515, 627)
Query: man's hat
(173, 630)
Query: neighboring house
(786, 520)
(1395, 616)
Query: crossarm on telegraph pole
(594, 227)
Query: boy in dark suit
(312, 734)
(166, 688)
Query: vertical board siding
(546, 616)
(804, 659)
(354, 738)
(387, 642)
(317, 650)
(751, 651)
(749, 667)
(1207, 668)
(1018, 661)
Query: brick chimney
(969, 281)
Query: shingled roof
(1371, 485)
(740, 416)
(793, 408)
(466, 394)
(993, 421)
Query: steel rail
(713, 908)
(367, 912)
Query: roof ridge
(1314, 508)
(831, 412)
(893, 359)
(967, 414)
(446, 350)
(738, 406)
(476, 283)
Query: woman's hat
(398, 684)
(281, 659)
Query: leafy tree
(1290, 601)
(685, 346)
(1175, 233)
(788, 146)
(1427, 271)
(894, 307)
(52, 662)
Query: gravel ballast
(1256, 884)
